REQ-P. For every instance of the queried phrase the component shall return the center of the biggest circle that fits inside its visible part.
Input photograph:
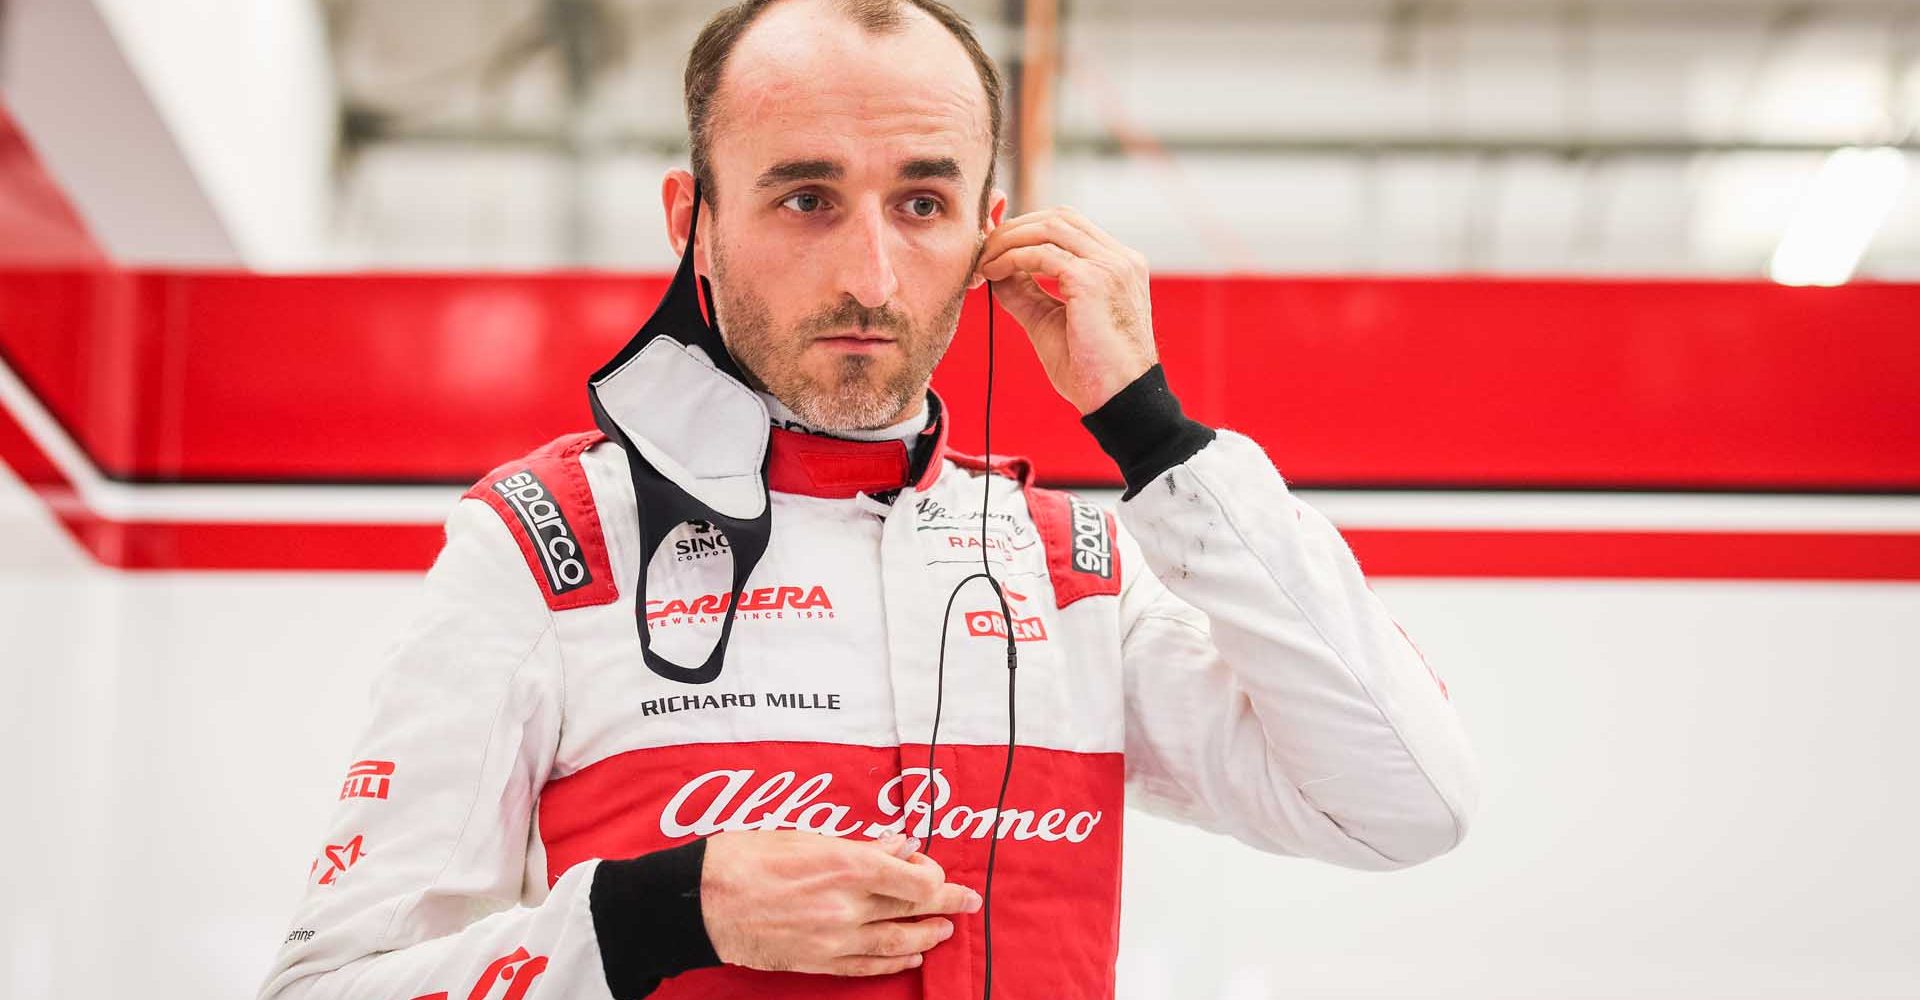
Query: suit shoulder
(548, 507)
(1080, 538)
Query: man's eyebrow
(941, 167)
(788, 171)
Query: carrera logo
(994, 623)
(764, 602)
(1092, 547)
(552, 536)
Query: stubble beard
(862, 391)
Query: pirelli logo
(547, 525)
(1092, 547)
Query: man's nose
(866, 270)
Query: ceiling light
(1851, 197)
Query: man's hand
(793, 901)
(1096, 336)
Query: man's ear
(676, 198)
(996, 210)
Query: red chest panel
(1056, 883)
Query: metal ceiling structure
(585, 82)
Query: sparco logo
(548, 527)
(732, 800)
(1092, 549)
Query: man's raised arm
(1270, 694)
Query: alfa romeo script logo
(744, 800)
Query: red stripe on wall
(1675, 555)
(168, 545)
(199, 545)
(1348, 382)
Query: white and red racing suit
(526, 808)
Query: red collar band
(836, 468)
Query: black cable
(1013, 664)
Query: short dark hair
(708, 60)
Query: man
(665, 725)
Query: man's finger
(898, 844)
(1071, 226)
(889, 938)
(1024, 299)
(945, 897)
(868, 965)
(1050, 228)
(950, 897)
(901, 879)
(916, 858)
(1043, 258)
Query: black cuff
(1144, 431)
(646, 913)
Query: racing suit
(527, 809)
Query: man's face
(848, 170)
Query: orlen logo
(762, 599)
(1092, 549)
(994, 623)
(547, 525)
(731, 800)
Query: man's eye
(804, 202)
(923, 207)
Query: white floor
(1692, 790)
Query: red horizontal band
(1673, 555)
(1382, 553)
(1349, 382)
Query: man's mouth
(857, 340)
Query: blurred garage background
(1593, 324)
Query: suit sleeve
(420, 887)
(1270, 695)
